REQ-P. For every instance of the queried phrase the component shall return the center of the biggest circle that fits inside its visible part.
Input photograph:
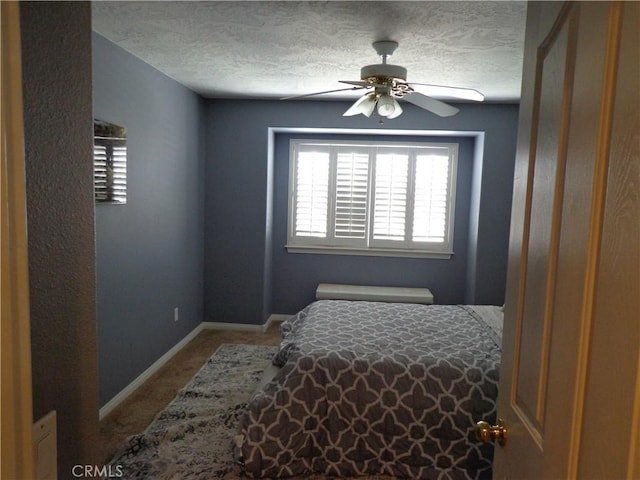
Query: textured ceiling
(274, 49)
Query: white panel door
(570, 376)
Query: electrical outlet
(176, 314)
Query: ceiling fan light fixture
(364, 105)
(388, 106)
(397, 111)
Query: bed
(377, 388)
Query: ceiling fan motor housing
(383, 70)
(390, 79)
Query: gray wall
(242, 177)
(56, 60)
(149, 251)
(295, 276)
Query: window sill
(371, 252)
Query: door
(570, 376)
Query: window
(109, 162)
(381, 198)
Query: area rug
(192, 438)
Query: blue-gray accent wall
(245, 273)
(149, 251)
(295, 276)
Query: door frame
(16, 416)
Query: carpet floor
(133, 415)
(193, 437)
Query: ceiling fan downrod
(385, 48)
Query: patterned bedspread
(376, 388)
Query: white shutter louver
(312, 194)
(100, 172)
(431, 198)
(119, 179)
(390, 198)
(352, 178)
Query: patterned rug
(192, 438)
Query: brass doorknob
(488, 433)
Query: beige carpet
(136, 413)
(192, 438)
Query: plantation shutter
(391, 186)
(431, 198)
(383, 198)
(352, 178)
(119, 173)
(110, 170)
(312, 192)
(100, 172)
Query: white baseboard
(235, 327)
(278, 317)
(245, 327)
(144, 376)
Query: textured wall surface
(56, 50)
(149, 251)
(240, 240)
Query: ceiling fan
(385, 83)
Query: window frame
(330, 244)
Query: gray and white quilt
(376, 388)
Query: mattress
(376, 388)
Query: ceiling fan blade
(455, 92)
(431, 104)
(321, 93)
(356, 82)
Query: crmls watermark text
(94, 471)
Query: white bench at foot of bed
(335, 291)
